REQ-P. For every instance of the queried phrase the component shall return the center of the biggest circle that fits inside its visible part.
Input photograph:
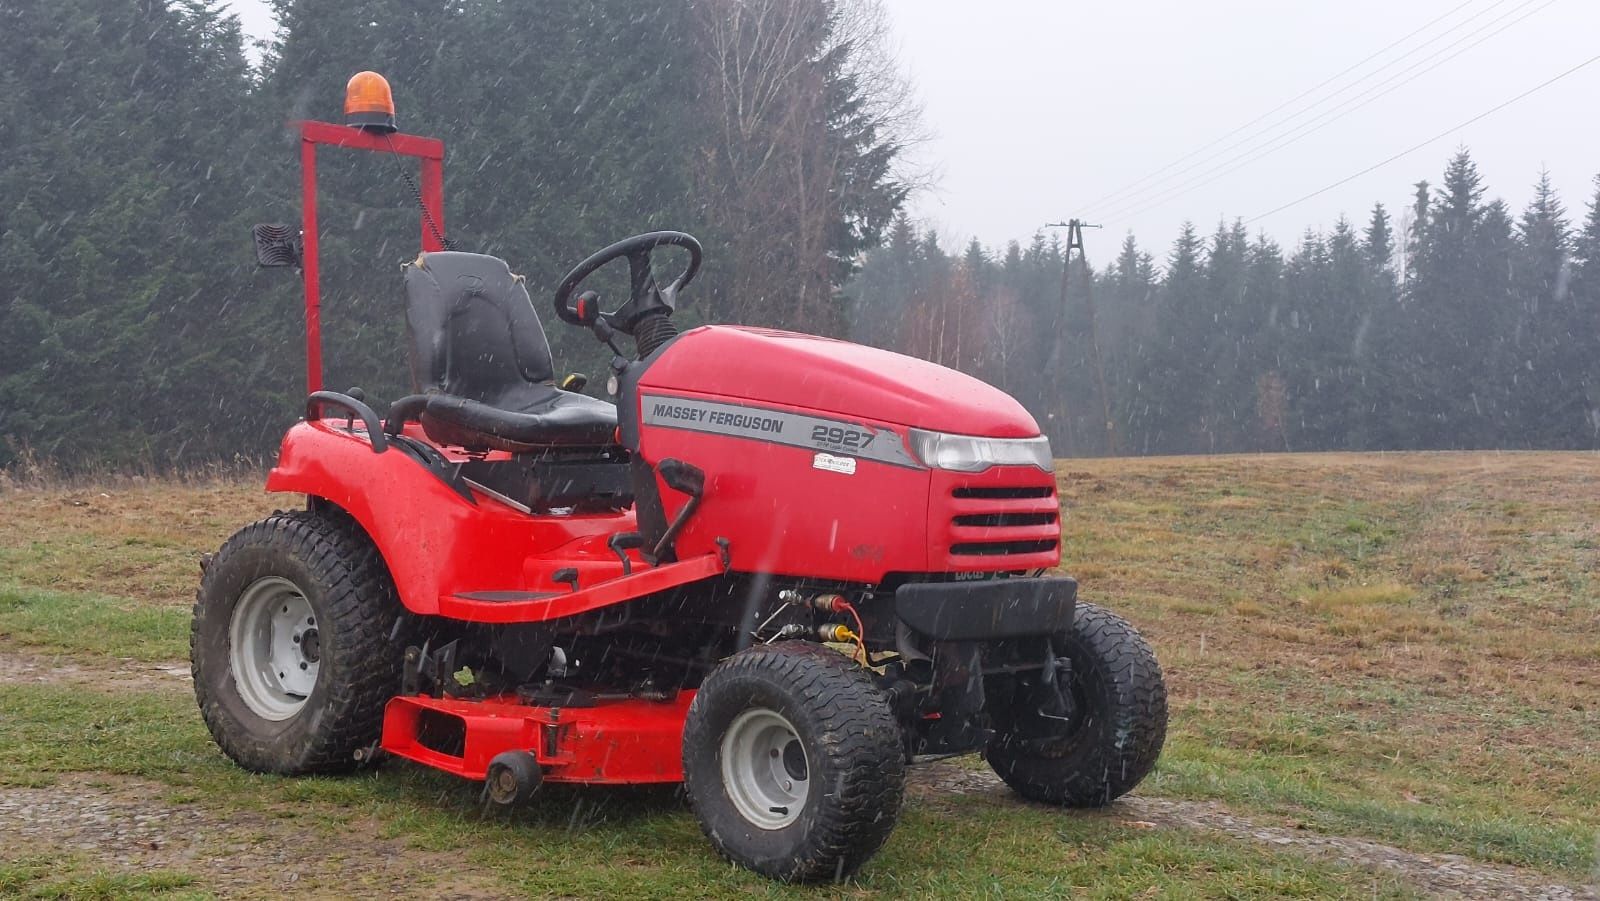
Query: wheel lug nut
(773, 752)
(295, 639)
(302, 664)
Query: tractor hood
(765, 366)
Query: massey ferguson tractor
(776, 568)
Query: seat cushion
(531, 417)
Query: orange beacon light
(368, 103)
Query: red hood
(764, 365)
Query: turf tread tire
(343, 576)
(1127, 725)
(854, 747)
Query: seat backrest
(473, 329)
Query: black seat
(480, 355)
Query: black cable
(1440, 136)
(416, 193)
(1303, 94)
(1360, 101)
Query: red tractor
(778, 568)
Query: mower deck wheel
(514, 777)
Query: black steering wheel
(645, 296)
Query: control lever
(587, 310)
(569, 575)
(684, 478)
(620, 544)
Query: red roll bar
(429, 150)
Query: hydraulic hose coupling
(831, 632)
(827, 603)
(836, 633)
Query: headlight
(968, 453)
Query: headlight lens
(968, 453)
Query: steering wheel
(645, 296)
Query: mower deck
(622, 741)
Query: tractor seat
(480, 355)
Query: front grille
(994, 521)
(1001, 548)
(1005, 519)
(1005, 493)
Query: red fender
(435, 542)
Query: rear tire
(290, 644)
(1113, 737)
(793, 762)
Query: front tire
(290, 644)
(1112, 737)
(793, 762)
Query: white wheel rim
(765, 768)
(274, 648)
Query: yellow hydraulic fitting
(836, 632)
